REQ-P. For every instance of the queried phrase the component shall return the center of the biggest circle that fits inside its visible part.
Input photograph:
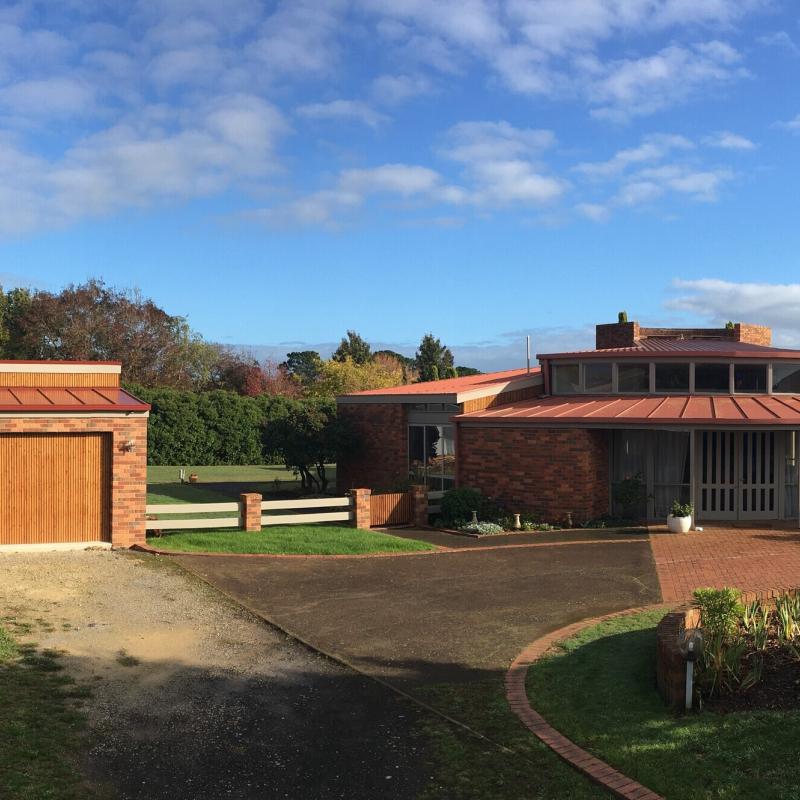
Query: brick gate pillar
(419, 506)
(361, 508)
(251, 511)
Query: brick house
(73, 455)
(704, 415)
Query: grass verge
(41, 728)
(599, 690)
(466, 768)
(289, 539)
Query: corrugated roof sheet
(713, 348)
(78, 399)
(647, 409)
(451, 385)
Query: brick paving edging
(438, 550)
(516, 694)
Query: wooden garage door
(55, 488)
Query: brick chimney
(616, 334)
(754, 334)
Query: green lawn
(41, 731)
(600, 691)
(289, 539)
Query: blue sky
(483, 169)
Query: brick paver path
(747, 559)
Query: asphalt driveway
(442, 618)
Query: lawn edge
(593, 768)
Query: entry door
(737, 473)
(758, 491)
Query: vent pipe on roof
(528, 350)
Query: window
(597, 377)
(432, 455)
(750, 378)
(566, 378)
(672, 377)
(786, 378)
(712, 378)
(633, 377)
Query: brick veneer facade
(381, 458)
(628, 334)
(128, 467)
(550, 471)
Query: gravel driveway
(194, 698)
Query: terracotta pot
(679, 524)
(194, 477)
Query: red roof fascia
(710, 410)
(451, 385)
(61, 399)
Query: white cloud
(776, 305)
(394, 89)
(633, 87)
(780, 39)
(232, 138)
(792, 125)
(729, 141)
(355, 110)
(47, 97)
(654, 147)
(471, 142)
(596, 212)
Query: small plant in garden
(720, 610)
(630, 494)
(485, 528)
(679, 509)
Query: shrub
(458, 504)
(720, 610)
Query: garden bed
(638, 529)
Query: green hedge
(210, 428)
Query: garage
(73, 452)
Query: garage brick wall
(129, 468)
(381, 458)
(550, 471)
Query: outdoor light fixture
(691, 644)
(129, 446)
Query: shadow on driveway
(447, 618)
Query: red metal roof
(468, 383)
(711, 348)
(78, 399)
(647, 410)
(59, 361)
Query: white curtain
(670, 470)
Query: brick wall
(551, 471)
(754, 334)
(381, 458)
(129, 468)
(616, 334)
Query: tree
(355, 347)
(463, 372)
(98, 323)
(343, 377)
(308, 437)
(433, 359)
(304, 366)
(13, 305)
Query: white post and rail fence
(251, 512)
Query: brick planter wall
(381, 460)
(551, 471)
(129, 467)
(670, 664)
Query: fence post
(419, 506)
(361, 507)
(251, 510)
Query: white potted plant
(680, 518)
